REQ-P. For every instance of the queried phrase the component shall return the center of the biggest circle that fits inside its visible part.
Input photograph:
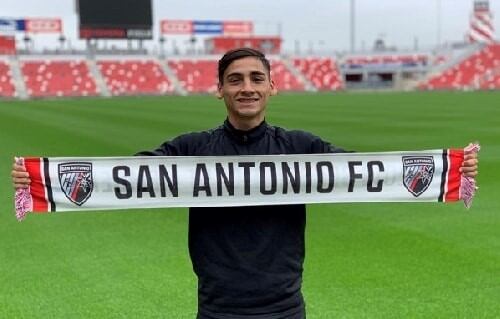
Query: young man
(248, 259)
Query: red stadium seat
(283, 78)
(7, 88)
(134, 77)
(58, 78)
(196, 76)
(322, 72)
(491, 81)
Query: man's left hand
(469, 165)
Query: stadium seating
(197, 75)
(401, 59)
(284, 79)
(70, 75)
(322, 72)
(58, 78)
(134, 77)
(490, 81)
(6, 87)
(468, 74)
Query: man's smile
(247, 99)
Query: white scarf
(80, 184)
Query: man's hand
(20, 177)
(469, 165)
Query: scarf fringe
(468, 185)
(23, 199)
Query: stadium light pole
(62, 39)
(353, 25)
(438, 27)
(27, 41)
(162, 41)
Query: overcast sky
(323, 24)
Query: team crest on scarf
(76, 181)
(417, 173)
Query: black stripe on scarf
(443, 175)
(48, 185)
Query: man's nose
(247, 86)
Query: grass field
(363, 260)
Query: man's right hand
(20, 177)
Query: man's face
(245, 90)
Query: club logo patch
(76, 182)
(418, 172)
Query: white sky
(324, 24)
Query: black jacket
(248, 259)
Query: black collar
(245, 137)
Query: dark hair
(241, 53)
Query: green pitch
(363, 260)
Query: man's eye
(258, 79)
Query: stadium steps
(410, 85)
(172, 77)
(18, 79)
(299, 75)
(98, 78)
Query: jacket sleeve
(169, 148)
(320, 146)
(307, 143)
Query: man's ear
(274, 89)
(219, 94)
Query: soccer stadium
(363, 260)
